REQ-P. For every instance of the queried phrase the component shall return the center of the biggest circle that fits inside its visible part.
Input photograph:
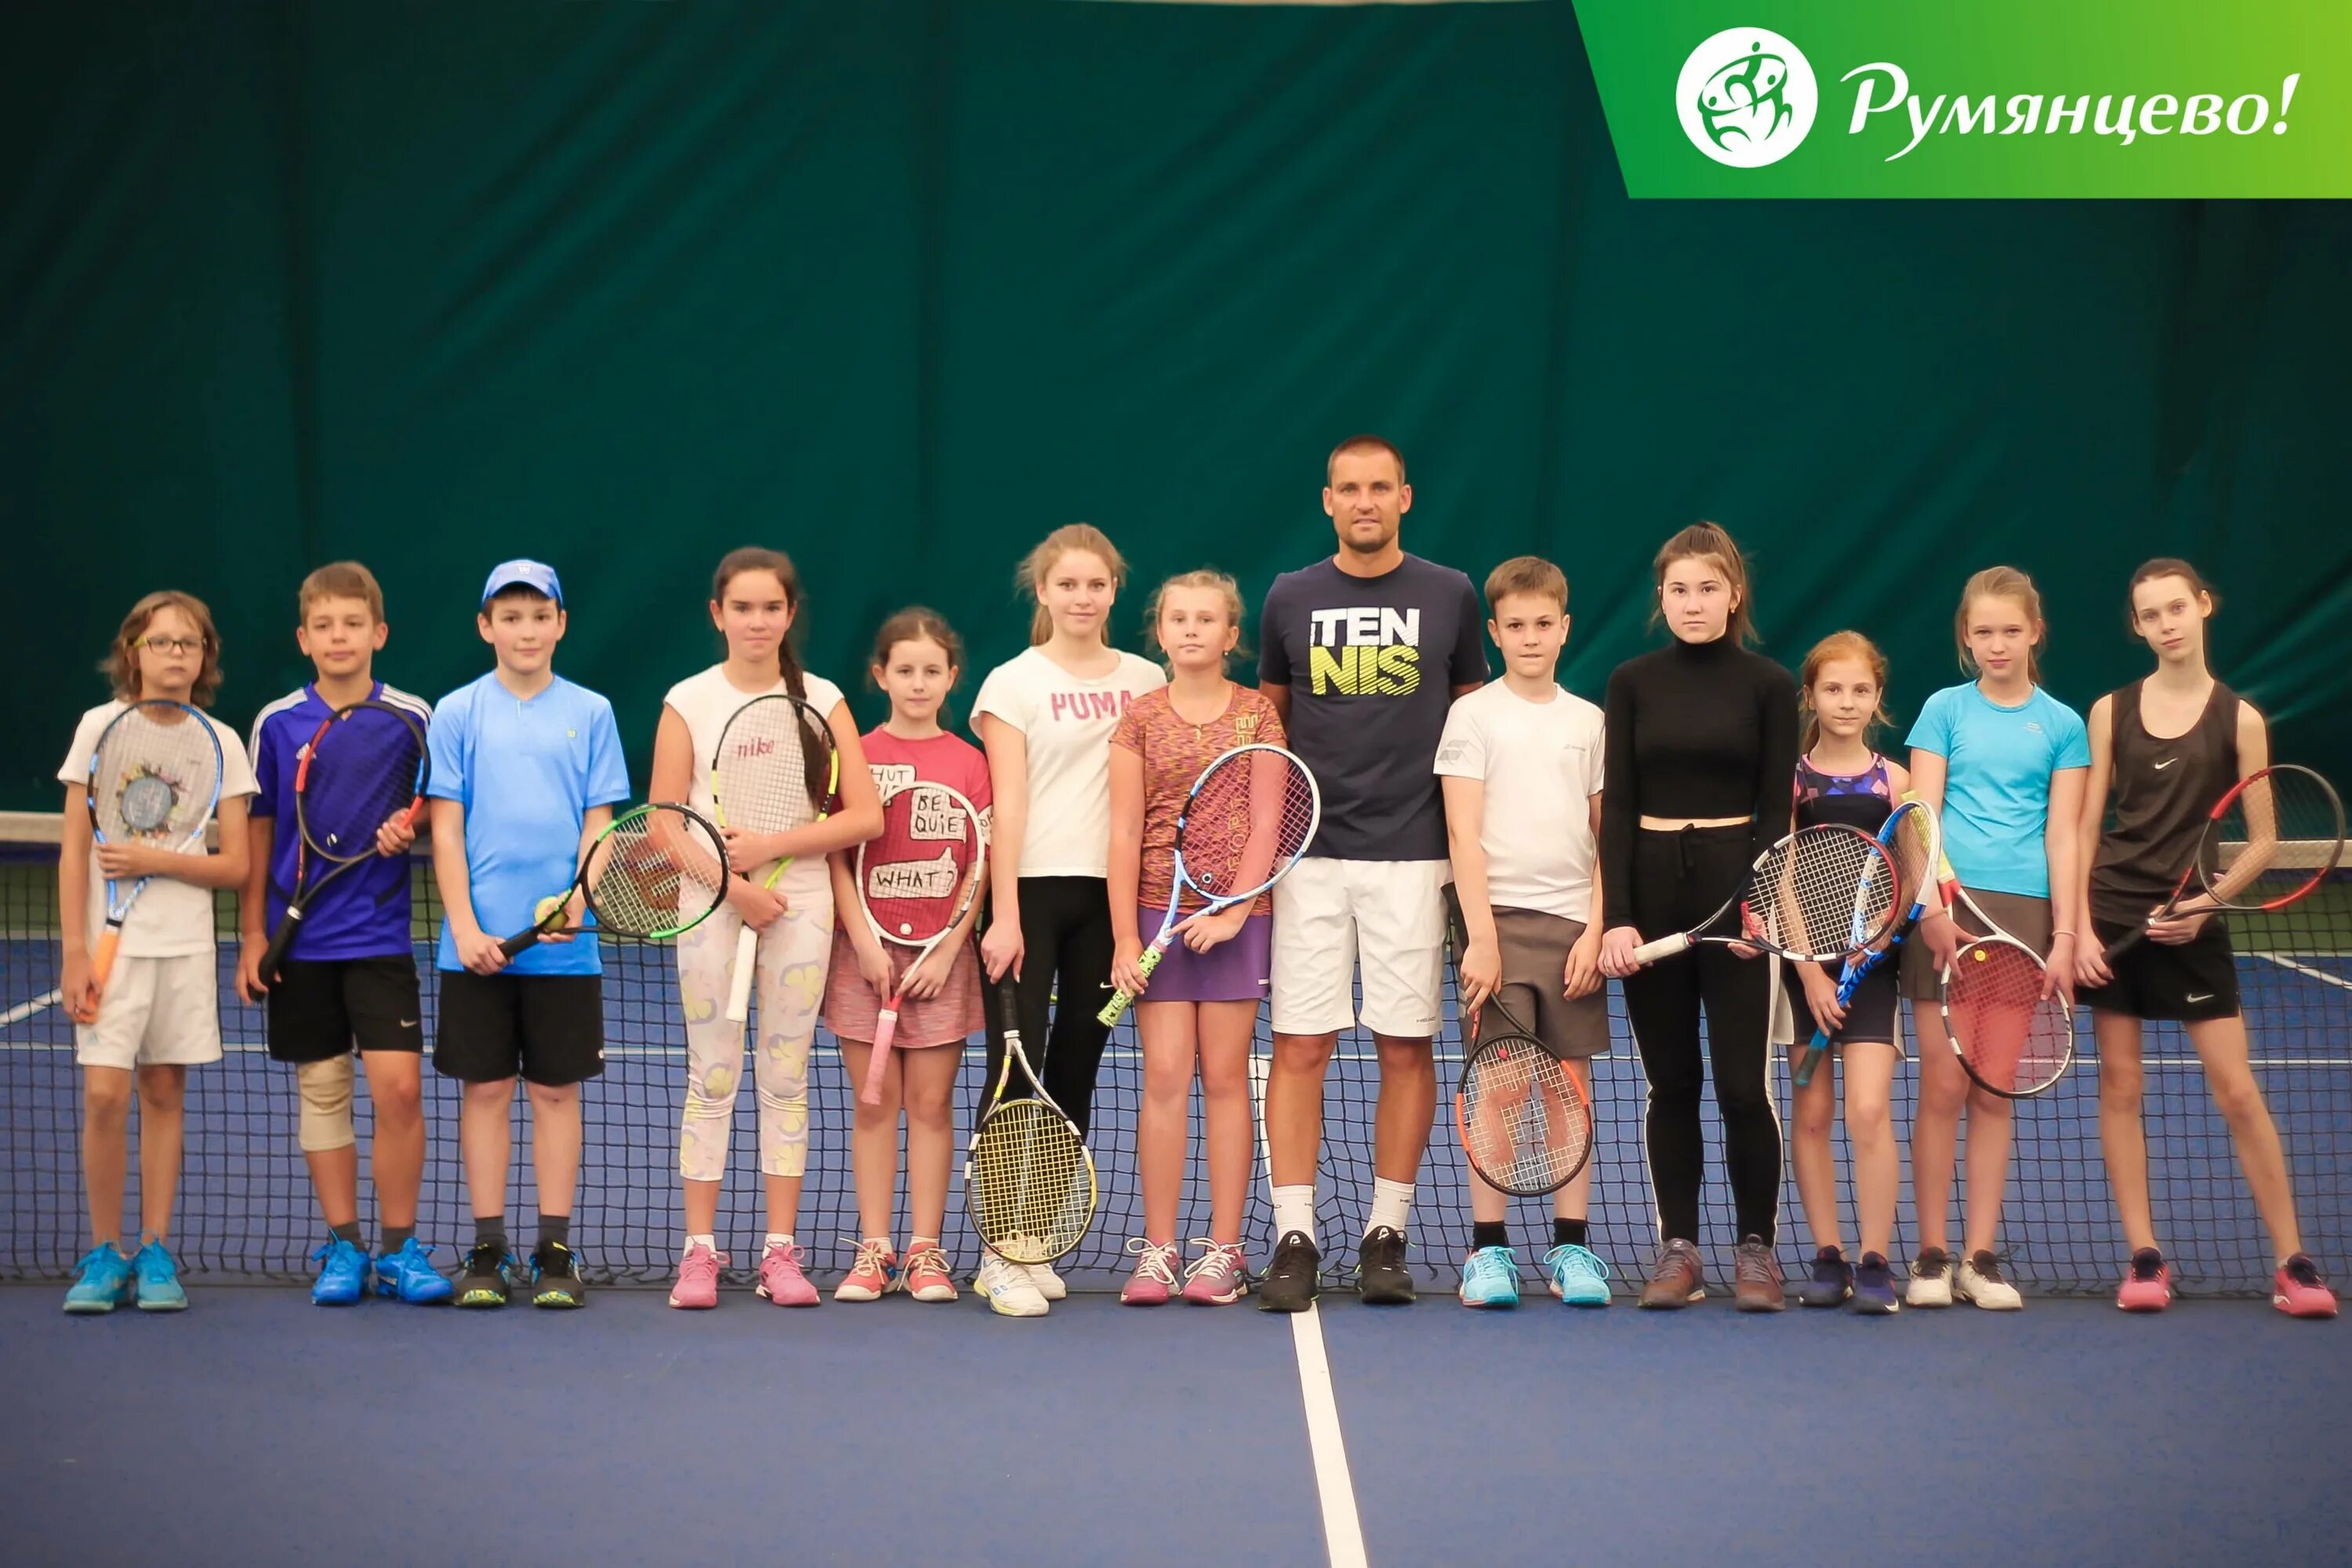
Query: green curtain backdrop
(902, 284)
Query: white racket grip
(1649, 952)
(747, 958)
(885, 1029)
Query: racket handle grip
(273, 957)
(1649, 952)
(2123, 944)
(101, 961)
(1120, 1001)
(523, 942)
(885, 1029)
(739, 991)
(1815, 1049)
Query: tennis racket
(1525, 1122)
(1028, 1181)
(776, 768)
(1817, 895)
(1249, 817)
(365, 765)
(2272, 839)
(917, 881)
(2010, 1037)
(1915, 839)
(655, 872)
(154, 776)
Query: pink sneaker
(1217, 1278)
(780, 1279)
(2148, 1283)
(928, 1276)
(869, 1278)
(2297, 1290)
(1154, 1279)
(698, 1278)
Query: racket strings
(771, 775)
(1248, 818)
(362, 771)
(1525, 1126)
(2013, 1037)
(1914, 852)
(1813, 889)
(2280, 835)
(154, 779)
(654, 873)
(1032, 1188)
(914, 875)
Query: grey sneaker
(1755, 1285)
(1675, 1278)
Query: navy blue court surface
(257, 1428)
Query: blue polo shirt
(365, 911)
(527, 771)
(1999, 761)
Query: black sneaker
(1873, 1286)
(1291, 1278)
(1380, 1277)
(1832, 1281)
(483, 1282)
(555, 1277)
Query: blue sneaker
(344, 1278)
(159, 1280)
(409, 1275)
(1578, 1276)
(103, 1280)
(1490, 1277)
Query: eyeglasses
(173, 645)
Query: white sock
(694, 1241)
(774, 1240)
(1392, 1202)
(1293, 1209)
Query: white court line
(2306, 971)
(24, 1010)
(1343, 1531)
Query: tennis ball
(546, 908)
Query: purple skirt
(1232, 971)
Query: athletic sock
(1569, 1232)
(1293, 1209)
(396, 1236)
(556, 1229)
(1490, 1233)
(490, 1227)
(779, 1239)
(694, 1241)
(1392, 1203)
(350, 1233)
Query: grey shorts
(2026, 918)
(1535, 958)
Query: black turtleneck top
(1695, 730)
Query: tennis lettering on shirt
(1371, 650)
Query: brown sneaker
(1675, 1278)
(1756, 1284)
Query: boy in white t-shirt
(157, 1010)
(1520, 762)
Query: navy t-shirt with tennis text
(1371, 664)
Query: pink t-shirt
(1174, 750)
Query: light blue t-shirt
(527, 773)
(1997, 784)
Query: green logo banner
(1995, 97)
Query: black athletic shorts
(547, 1029)
(2191, 983)
(1869, 1016)
(323, 1008)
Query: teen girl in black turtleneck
(1701, 744)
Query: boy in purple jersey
(350, 980)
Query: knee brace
(326, 1092)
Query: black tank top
(1862, 800)
(2162, 794)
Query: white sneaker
(1931, 1279)
(1049, 1283)
(1008, 1289)
(1980, 1282)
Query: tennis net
(245, 1207)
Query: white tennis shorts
(156, 1012)
(1391, 914)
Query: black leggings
(1679, 879)
(1065, 934)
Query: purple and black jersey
(365, 913)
